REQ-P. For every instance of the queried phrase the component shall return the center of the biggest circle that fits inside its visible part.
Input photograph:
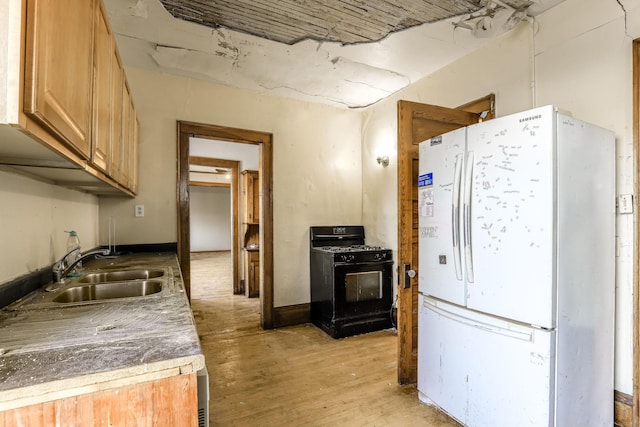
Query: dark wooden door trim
(413, 127)
(234, 166)
(635, 412)
(265, 143)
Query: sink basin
(120, 276)
(102, 291)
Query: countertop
(51, 350)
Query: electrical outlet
(625, 203)
(139, 210)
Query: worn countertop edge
(91, 383)
(97, 381)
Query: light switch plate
(625, 203)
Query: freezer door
(484, 371)
(509, 207)
(440, 264)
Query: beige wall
(33, 218)
(580, 61)
(317, 168)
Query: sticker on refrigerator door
(429, 232)
(425, 180)
(425, 194)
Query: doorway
(216, 167)
(187, 130)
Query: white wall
(317, 166)
(33, 219)
(247, 154)
(210, 218)
(580, 61)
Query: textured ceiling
(320, 53)
(343, 21)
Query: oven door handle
(373, 263)
(338, 236)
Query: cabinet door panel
(102, 106)
(116, 119)
(125, 154)
(58, 69)
(133, 150)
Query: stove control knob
(350, 258)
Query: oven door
(363, 289)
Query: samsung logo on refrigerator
(437, 140)
(530, 118)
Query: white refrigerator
(516, 272)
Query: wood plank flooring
(294, 376)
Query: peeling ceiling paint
(351, 76)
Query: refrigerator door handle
(516, 331)
(455, 217)
(468, 255)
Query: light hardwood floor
(295, 376)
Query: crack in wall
(624, 10)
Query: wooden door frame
(234, 166)
(635, 399)
(264, 141)
(407, 150)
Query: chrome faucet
(62, 267)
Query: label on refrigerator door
(425, 194)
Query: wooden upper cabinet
(133, 150)
(125, 147)
(251, 195)
(59, 69)
(117, 85)
(103, 57)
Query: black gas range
(351, 283)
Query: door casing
(264, 141)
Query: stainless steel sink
(120, 276)
(104, 291)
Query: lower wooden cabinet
(170, 402)
(252, 273)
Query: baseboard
(290, 315)
(623, 408)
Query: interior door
(416, 123)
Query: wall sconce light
(383, 160)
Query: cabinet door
(58, 69)
(102, 105)
(251, 193)
(125, 154)
(117, 81)
(133, 186)
(255, 198)
(252, 274)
